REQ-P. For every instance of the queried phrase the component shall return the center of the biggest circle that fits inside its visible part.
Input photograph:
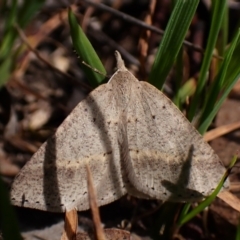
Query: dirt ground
(37, 99)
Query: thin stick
(220, 131)
(140, 23)
(25, 40)
(94, 208)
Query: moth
(134, 140)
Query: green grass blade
(22, 17)
(234, 66)
(179, 66)
(86, 52)
(224, 83)
(208, 200)
(185, 91)
(172, 40)
(223, 33)
(165, 220)
(9, 32)
(184, 211)
(5, 70)
(238, 231)
(28, 10)
(8, 220)
(218, 12)
(10, 16)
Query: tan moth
(134, 140)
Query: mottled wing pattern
(55, 179)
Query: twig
(25, 40)
(103, 37)
(70, 225)
(140, 23)
(94, 208)
(143, 43)
(220, 131)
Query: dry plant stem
(116, 4)
(16, 83)
(21, 144)
(145, 36)
(45, 29)
(213, 68)
(205, 218)
(99, 233)
(234, 187)
(140, 23)
(175, 228)
(230, 4)
(70, 225)
(102, 37)
(230, 199)
(25, 40)
(87, 16)
(220, 131)
(51, 24)
(90, 10)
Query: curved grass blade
(9, 32)
(179, 66)
(234, 66)
(28, 10)
(184, 211)
(86, 52)
(223, 33)
(163, 224)
(218, 12)
(21, 16)
(172, 40)
(224, 83)
(208, 200)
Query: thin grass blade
(28, 10)
(86, 52)
(218, 12)
(9, 31)
(22, 17)
(224, 83)
(208, 200)
(172, 40)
